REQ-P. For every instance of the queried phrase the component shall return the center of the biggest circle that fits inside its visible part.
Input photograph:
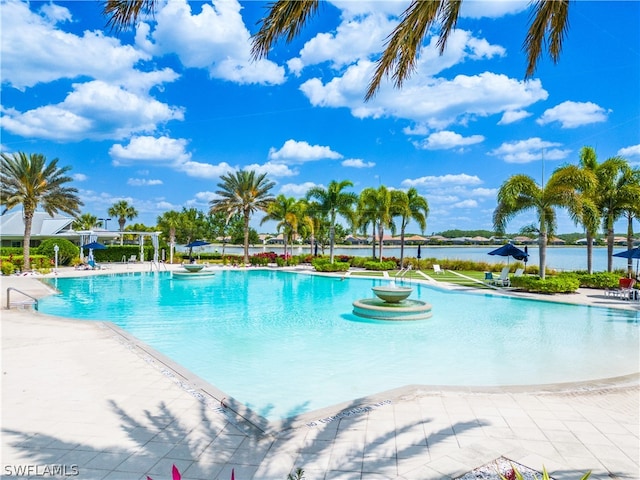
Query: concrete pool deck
(82, 397)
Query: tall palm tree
(619, 192)
(31, 181)
(243, 192)
(168, 222)
(286, 211)
(86, 221)
(285, 18)
(332, 202)
(124, 212)
(377, 205)
(409, 205)
(521, 193)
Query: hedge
(559, 284)
(378, 266)
(322, 265)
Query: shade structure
(510, 250)
(94, 246)
(197, 243)
(633, 253)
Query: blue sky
(155, 115)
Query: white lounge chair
(518, 272)
(436, 269)
(503, 279)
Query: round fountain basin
(392, 294)
(192, 267)
(377, 309)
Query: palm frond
(122, 14)
(284, 18)
(548, 17)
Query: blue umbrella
(197, 243)
(94, 246)
(633, 253)
(510, 250)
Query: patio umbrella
(195, 243)
(94, 246)
(633, 253)
(510, 250)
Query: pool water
(285, 343)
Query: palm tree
(332, 202)
(410, 205)
(243, 192)
(124, 212)
(619, 192)
(549, 25)
(86, 221)
(168, 222)
(286, 211)
(378, 206)
(29, 181)
(521, 193)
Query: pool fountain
(193, 270)
(393, 304)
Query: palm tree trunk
(629, 242)
(26, 263)
(609, 245)
(402, 247)
(589, 252)
(246, 237)
(373, 240)
(380, 236)
(332, 232)
(542, 247)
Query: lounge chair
(518, 272)
(436, 269)
(503, 279)
(93, 265)
(488, 277)
(627, 292)
(133, 259)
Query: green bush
(598, 280)
(378, 266)
(67, 251)
(7, 267)
(323, 265)
(558, 284)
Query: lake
(558, 258)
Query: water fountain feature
(392, 303)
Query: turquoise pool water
(285, 343)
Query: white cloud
(293, 151)
(530, 150)
(79, 177)
(357, 163)
(484, 192)
(469, 203)
(574, 114)
(143, 182)
(442, 180)
(274, 169)
(297, 189)
(354, 39)
(165, 151)
(492, 9)
(513, 116)
(445, 140)
(156, 151)
(93, 110)
(215, 38)
(51, 54)
(432, 102)
(631, 151)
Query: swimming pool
(285, 343)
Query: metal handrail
(35, 300)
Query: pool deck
(86, 398)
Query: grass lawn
(449, 277)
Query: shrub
(66, 250)
(558, 284)
(323, 265)
(378, 266)
(7, 267)
(598, 280)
